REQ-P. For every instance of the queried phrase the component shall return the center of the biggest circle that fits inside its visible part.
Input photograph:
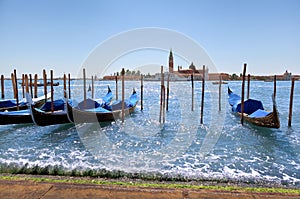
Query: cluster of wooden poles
(164, 94)
(33, 85)
(165, 91)
(274, 93)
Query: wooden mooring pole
(52, 91)
(220, 91)
(116, 79)
(17, 92)
(248, 87)
(275, 86)
(45, 84)
(26, 83)
(123, 95)
(243, 94)
(202, 97)
(84, 88)
(168, 92)
(35, 85)
(93, 87)
(69, 77)
(2, 87)
(23, 85)
(164, 99)
(65, 86)
(291, 103)
(161, 93)
(142, 90)
(192, 79)
(13, 84)
(30, 83)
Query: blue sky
(60, 35)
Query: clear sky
(60, 34)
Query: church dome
(192, 66)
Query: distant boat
(254, 112)
(268, 80)
(39, 84)
(217, 82)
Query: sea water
(181, 148)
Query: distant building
(171, 62)
(192, 69)
(287, 76)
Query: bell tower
(171, 64)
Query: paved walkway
(32, 190)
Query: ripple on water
(248, 153)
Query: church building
(186, 73)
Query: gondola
(254, 112)
(216, 82)
(15, 117)
(22, 116)
(103, 113)
(61, 115)
(11, 105)
(45, 118)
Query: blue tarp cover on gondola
(10, 103)
(92, 104)
(58, 105)
(250, 105)
(88, 104)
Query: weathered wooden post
(23, 85)
(192, 79)
(45, 84)
(13, 83)
(84, 88)
(116, 79)
(202, 99)
(17, 92)
(52, 93)
(168, 91)
(248, 87)
(30, 83)
(291, 103)
(92, 87)
(2, 87)
(69, 77)
(26, 83)
(243, 94)
(123, 95)
(142, 88)
(220, 91)
(35, 85)
(164, 98)
(161, 93)
(275, 86)
(65, 86)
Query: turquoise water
(220, 149)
